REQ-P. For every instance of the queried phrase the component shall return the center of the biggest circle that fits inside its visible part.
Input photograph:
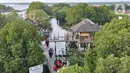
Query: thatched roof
(85, 26)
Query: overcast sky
(1, 1)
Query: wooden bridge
(60, 39)
(67, 39)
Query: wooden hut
(84, 32)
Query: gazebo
(84, 32)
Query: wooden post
(55, 45)
(79, 45)
(84, 46)
(55, 48)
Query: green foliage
(72, 69)
(61, 15)
(113, 50)
(73, 51)
(90, 60)
(4, 8)
(78, 12)
(113, 65)
(2, 20)
(117, 42)
(108, 65)
(39, 6)
(70, 16)
(60, 12)
(75, 57)
(38, 12)
(40, 17)
(59, 6)
(12, 16)
(19, 45)
(121, 15)
(102, 15)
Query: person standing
(50, 52)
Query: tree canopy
(117, 42)
(4, 8)
(59, 6)
(12, 16)
(19, 45)
(40, 17)
(40, 6)
(59, 11)
(100, 15)
(39, 13)
(2, 20)
(71, 15)
(76, 13)
(61, 15)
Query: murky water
(57, 30)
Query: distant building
(84, 32)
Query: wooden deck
(64, 39)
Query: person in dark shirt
(50, 52)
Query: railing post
(55, 49)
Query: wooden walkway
(50, 61)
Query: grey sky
(1, 1)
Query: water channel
(57, 30)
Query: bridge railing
(61, 38)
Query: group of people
(58, 64)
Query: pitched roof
(85, 26)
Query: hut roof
(85, 26)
